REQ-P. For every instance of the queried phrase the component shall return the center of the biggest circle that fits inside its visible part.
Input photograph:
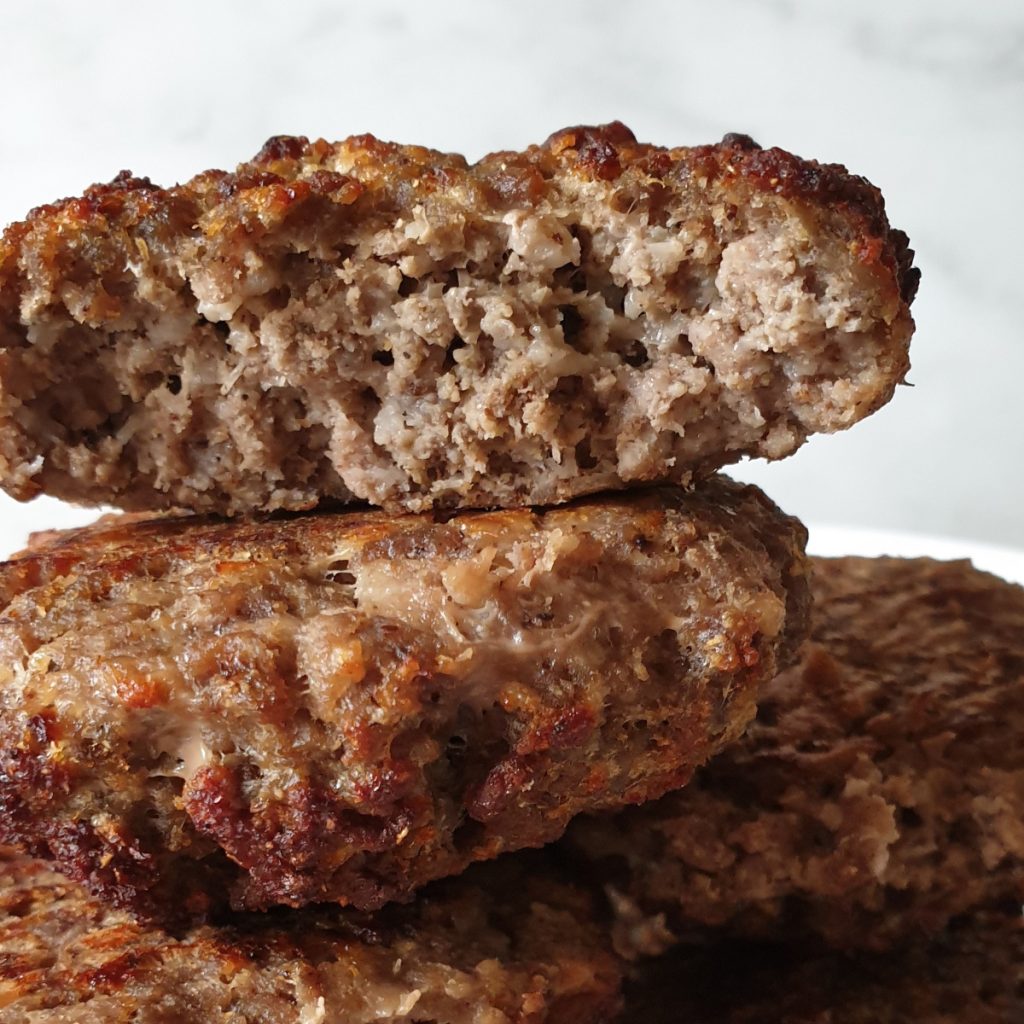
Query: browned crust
(75, 251)
(878, 794)
(266, 187)
(295, 710)
(609, 151)
(507, 942)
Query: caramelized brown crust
(509, 943)
(880, 790)
(392, 324)
(974, 974)
(345, 706)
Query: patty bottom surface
(344, 706)
(878, 794)
(971, 974)
(508, 943)
(363, 320)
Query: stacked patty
(514, 940)
(283, 748)
(388, 323)
(877, 796)
(877, 804)
(344, 706)
(508, 941)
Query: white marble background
(925, 97)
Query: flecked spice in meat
(388, 323)
(344, 706)
(509, 943)
(878, 794)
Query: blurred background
(924, 97)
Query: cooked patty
(972, 975)
(388, 323)
(343, 706)
(509, 943)
(879, 792)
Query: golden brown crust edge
(608, 152)
(125, 434)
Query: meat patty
(972, 975)
(343, 706)
(880, 790)
(388, 323)
(509, 943)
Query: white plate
(849, 540)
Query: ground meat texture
(974, 974)
(388, 323)
(343, 706)
(879, 792)
(509, 943)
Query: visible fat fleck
(181, 741)
(539, 242)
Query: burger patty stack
(427, 562)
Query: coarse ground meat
(973, 974)
(344, 706)
(388, 323)
(880, 790)
(508, 943)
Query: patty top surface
(389, 323)
(291, 170)
(342, 706)
(507, 944)
(973, 974)
(879, 791)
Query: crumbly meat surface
(343, 706)
(880, 790)
(508, 943)
(974, 974)
(392, 324)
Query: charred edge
(113, 866)
(235, 183)
(289, 866)
(909, 276)
(739, 140)
(597, 147)
(281, 147)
